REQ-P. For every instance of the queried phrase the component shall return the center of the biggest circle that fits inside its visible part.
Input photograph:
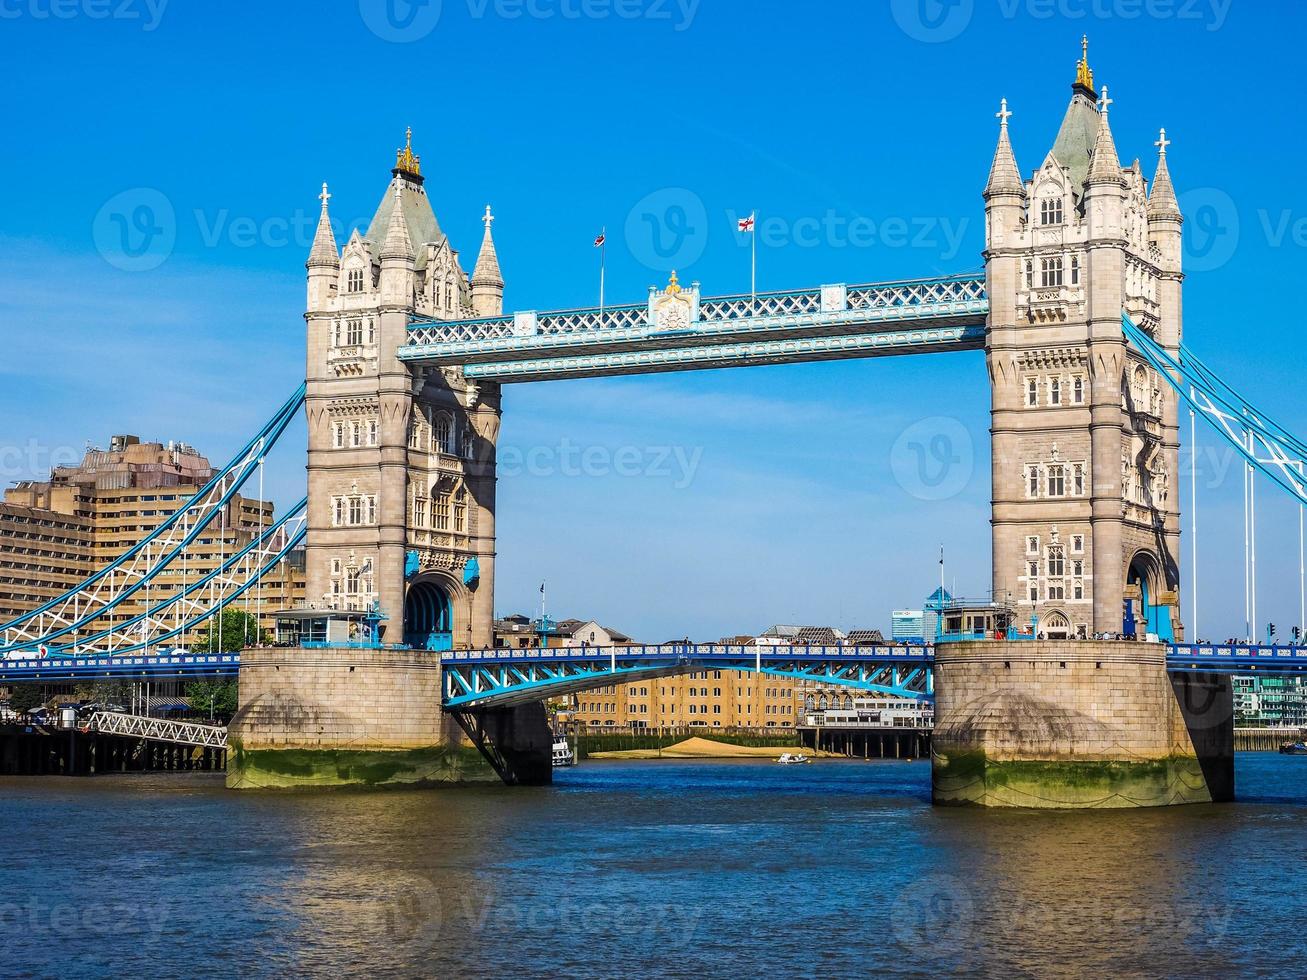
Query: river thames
(646, 869)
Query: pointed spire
(487, 268)
(1004, 175)
(397, 245)
(1162, 202)
(324, 251)
(1084, 74)
(1104, 165)
(407, 163)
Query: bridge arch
(429, 614)
(1145, 573)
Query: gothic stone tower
(401, 472)
(1085, 520)
(1085, 436)
(401, 462)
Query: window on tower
(1075, 270)
(354, 281)
(1056, 563)
(1050, 212)
(1057, 481)
(1050, 272)
(1032, 392)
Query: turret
(324, 261)
(397, 257)
(1005, 193)
(487, 280)
(1105, 187)
(1164, 218)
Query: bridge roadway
(63, 670)
(501, 677)
(677, 330)
(489, 678)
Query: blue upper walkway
(678, 330)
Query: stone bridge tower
(1086, 522)
(401, 463)
(1085, 434)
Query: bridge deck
(822, 323)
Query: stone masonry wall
(1067, 723)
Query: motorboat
(1293, 748)
(563, 755)
(792, 759)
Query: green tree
(231, 631)
(213, 699)
(24, 697)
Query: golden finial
(405, 159)
(674, 286)
(1084, 74)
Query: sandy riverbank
(703, 748)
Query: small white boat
(563, 754)
(792, 759)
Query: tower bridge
(1079, 313)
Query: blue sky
(862, 132)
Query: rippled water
(646, 869)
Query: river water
(661, 868)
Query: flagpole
(753, 272)
(603, 263)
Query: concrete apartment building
(55, 533)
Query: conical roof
(1161, 199)
(487, 271)
(398, 244)
(1105, 165)
(1004, 174)
(324, 251)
